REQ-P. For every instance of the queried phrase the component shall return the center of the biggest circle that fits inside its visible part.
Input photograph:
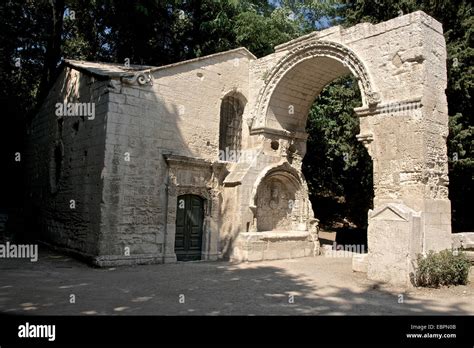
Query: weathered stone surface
(157, 134)
(394, 238)
(360, 263)
(463, 240)
(257, 246)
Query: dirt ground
(59, 285)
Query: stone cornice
(407, 105)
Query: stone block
(359, 263)
(463, 240)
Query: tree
(26, 30)
(337, 166)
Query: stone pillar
(169, 255)
(211, 228)
(410, 185)
(406, 139)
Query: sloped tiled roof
(106, 69)
(117, 70)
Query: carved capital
(366, 140)
(373, 98)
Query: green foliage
(461, 172)
(260, 34)
(162, 32)
(336, 164)
(85, 31)
(311, 14)
(23, 38)
(442, 268)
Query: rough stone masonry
(202, 159)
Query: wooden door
(189, 225)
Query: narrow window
(230, 132)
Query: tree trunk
(53, 49)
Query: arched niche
(279, 202)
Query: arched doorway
(189, 227)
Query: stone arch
(337, 59)
(290, 199)
(282, 166)
(202, 192)
(237, 93)
(403, 124)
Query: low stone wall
(258, 246)
(463, 241)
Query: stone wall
(64, 163)
(178, 114)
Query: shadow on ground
(58, 285)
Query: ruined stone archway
(403, 125)
(307, 69)
(295, 66)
